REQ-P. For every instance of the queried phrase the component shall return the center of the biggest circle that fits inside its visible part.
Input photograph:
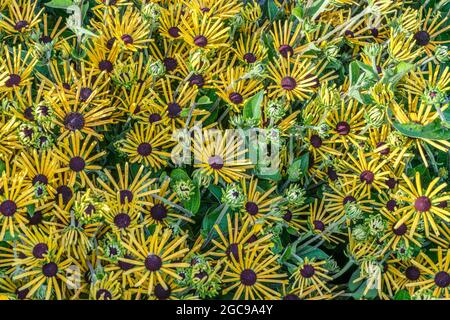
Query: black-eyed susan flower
(75, 156)
(147, 144)
(221, 156)
(127, 189)
(422, 205)
(293, 78)
(251, 275)
(154, 257)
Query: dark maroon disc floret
(288, 83)
(153, 262)
(422, 204)
(215, 162)
(122, 220)
(248, 277)
(158, 212)
(39, 250)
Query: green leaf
(203, 100)
(2, 166)
(274, 177)
(298, 12)
(287, 254)
(178, 174)
(315, 8)
(216, 191)
(252, 107)
(433, 131)
(359, 287)
(355, 73)
(402, 295)
(194, 202)
(59, 4)
(298, 168)
(272, 9)
(210, 219)
(309, 252)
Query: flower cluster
(129, 167)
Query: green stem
(219, 218)
(344, 269)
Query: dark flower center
(161, 293)
(286, 50)
(316, 141)
(248, 277)
(422, 38)
(45, 39)
(412, 273)
(349, 33)
(110, 43)
(13, 81)
(173, 110)
(422, 204)
(8, 208)
(122, 220)
(36, 219)
(126, 195)
(391, 204)
(215, 162)
(307, 271)
(90, 209)
(385, 151)
(332, 174)
(20, 25)
(74, 121)
(50, 269)
(85, 93)
(291, 296)
(170, 64)
(39, 250)
(103, 294)
(198, 80)
(251, 208)
(154, 117)
(28, 114)
(367, 176)
(443, 204)
(319, 225)
(287, 216)
(112, 251)
(41, 179)
(153, 262)
(174, 32)
(233, 249)
(105, 65)
(65, 192)
(235, 98)
(200, 41)
(348, 199)
(288, 83)
(442, 279)
(401, 230)
(374, 32)
(391, 182)
(144, 149)
(126, 265)
(77, 164)
(127, 39)
(343, 128)
(22, 294)
(249, 57)
(158, 212)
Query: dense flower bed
(224, 149)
